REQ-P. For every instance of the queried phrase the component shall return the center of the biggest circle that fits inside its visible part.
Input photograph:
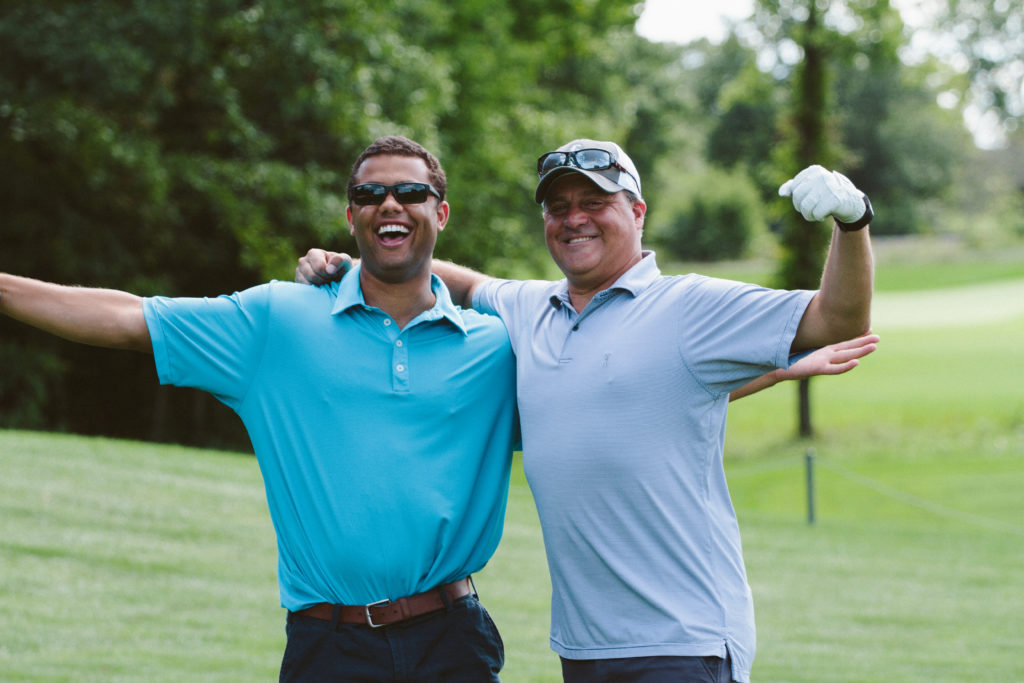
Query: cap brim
(602, 181)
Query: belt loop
(445, 598)
(335, 618)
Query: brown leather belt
(384, 612)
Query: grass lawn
(913, 569)
(124, 561)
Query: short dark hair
(404, 147)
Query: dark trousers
(460, 644)
(648, 670)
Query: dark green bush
(717, 216)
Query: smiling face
(593, 236)
(396, 241)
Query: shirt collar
(349, 294)
(635, 280)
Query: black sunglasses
(584, 159)
(405, 193)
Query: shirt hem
(716, 648)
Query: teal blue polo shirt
(385, 452)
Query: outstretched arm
(842, 306)
(834, 359)
(100, 317)
(319, 267)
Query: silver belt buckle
(366, 609)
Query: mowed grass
(124, 561)
(914, 567)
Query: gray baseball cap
(577, 156)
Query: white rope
(921, 503)
(882, 489)
(762, 467)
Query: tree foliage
(197, 147)
(875, 110)
(989, 40)
(715, 215)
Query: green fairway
(123, 561)
(913, 570)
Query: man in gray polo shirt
(624, 377)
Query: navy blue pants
(648, 670)
(460, 644)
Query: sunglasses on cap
(583, 159)
(405, 193)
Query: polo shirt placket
(573, 334)
(399, 339)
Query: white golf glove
(818, 192)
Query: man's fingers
(865, 340)
(852, 349)
(825, 208)
(818, 193)
(788, 188)
(312, 268)
(319, 267)
(338, 263)
(814, 201)
(811, 199)
(850, 354)
(840, 368)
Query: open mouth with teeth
(391, 234)
(579, 240)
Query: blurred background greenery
(194, 148)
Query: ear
(639, 213)
(442, 215)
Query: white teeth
(388, 229)
(577, 240)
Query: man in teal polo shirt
(386, 485)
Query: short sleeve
(213, 344)
(730, 333)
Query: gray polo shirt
(623, 411)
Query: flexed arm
(841, 309)
(99, 317)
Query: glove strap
(869, 213)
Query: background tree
(988, 36)
(180, 148)
(711, 198)
(809, 142)
(193, 148)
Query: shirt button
(399, 343)
(400, 367)
(387, 322)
